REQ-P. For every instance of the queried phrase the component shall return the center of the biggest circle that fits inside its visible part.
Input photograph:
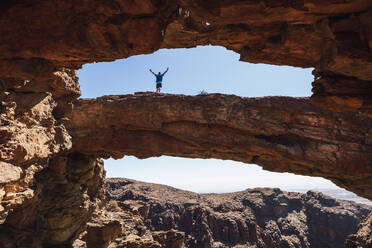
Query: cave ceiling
(333, 36)
(50, 140)
(40, 38)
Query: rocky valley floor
(150, 215)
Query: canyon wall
(153, 215)
(50, 184)
(47, 192)
(363, 238)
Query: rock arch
(43, 42)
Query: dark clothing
(159, 78)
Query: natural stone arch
(279, 133)
(42, 42)
(331, 36)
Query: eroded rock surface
(363, 238)
(43, 42)
(331, 35)
(259, 217)
(279, 133)
(53, 209)
(30, 135)
(47, 193)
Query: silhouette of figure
(159, 79)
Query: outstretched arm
(166, 70)
(152, 72)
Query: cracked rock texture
(29, 135)
(160, 216)
(279, 133)
(333, 35)
(47, 193)
(51, 182)
(363, 238)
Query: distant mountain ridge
(341, 194)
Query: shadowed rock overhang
(43, 42)
(39, 36)
(280, 133)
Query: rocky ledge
(150, 215)
(50, 184)
(282, 134)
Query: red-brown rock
(279, 133)
(363, 238)
(100, 235)
(261, 217)
(42, 42)
(329, 35)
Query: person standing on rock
(159, 79)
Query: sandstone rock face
(279, 133)
(47, 193)
(43, 42)
(54, 208)
(334, 36)
(251, 218)
(29, 135)
(363, 238)
(102, 234)
(343, 94)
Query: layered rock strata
(47, 193)
(279, 133)
(43, 42)
(159, 216)
(39, 37)
(331, 35)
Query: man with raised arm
(159, 79)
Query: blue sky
(210, 69)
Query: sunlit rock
(60, 185)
